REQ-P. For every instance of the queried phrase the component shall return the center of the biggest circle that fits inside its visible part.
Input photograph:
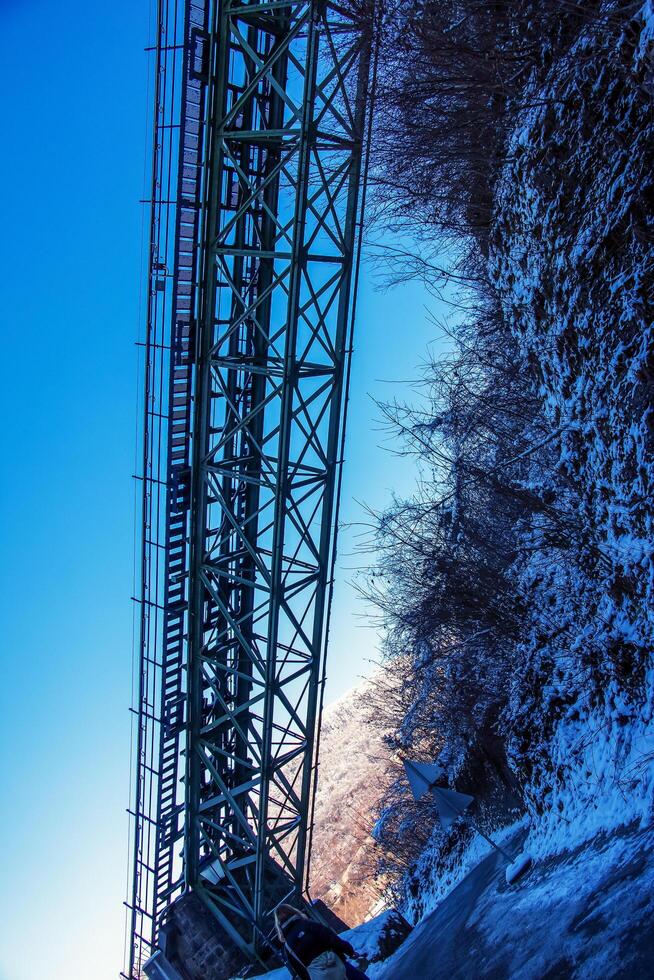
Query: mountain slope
(353, 777)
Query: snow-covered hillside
(518, 584)
(574, 266)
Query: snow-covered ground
(587, 914)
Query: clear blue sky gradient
(73, 81)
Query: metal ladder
(181, 51)
(189, 192)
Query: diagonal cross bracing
(284, 151)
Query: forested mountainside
(515, 139)
(354, 772)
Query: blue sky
(73, 80)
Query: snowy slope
(587, 915)
(574, 266)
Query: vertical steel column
(287, 116)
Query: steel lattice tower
(261, 111)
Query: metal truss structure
(261, 113)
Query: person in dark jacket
(307, 945)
